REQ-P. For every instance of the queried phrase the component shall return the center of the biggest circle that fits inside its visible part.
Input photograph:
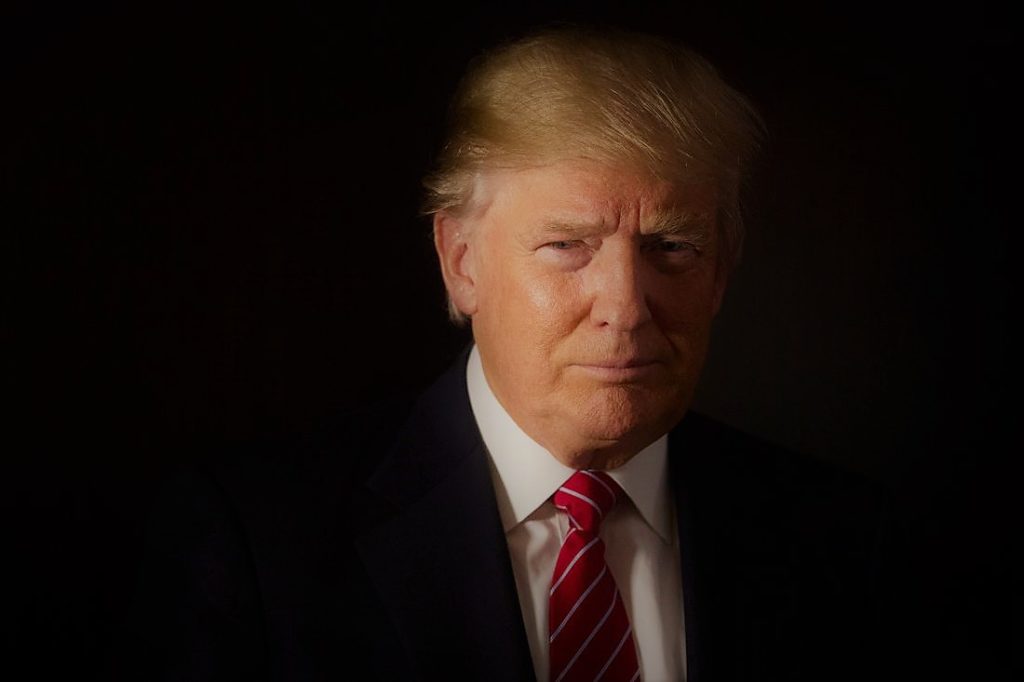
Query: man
(550, 508)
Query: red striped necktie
(590, 637)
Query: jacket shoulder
(719, 450)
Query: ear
(457, 258)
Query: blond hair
(611, 96)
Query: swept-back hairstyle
(607, 95)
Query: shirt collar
(525, 474)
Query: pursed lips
(620, 369)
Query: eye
(566, 254)
(672, 246)
(563, 245)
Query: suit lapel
(691, 558)
(436, 550)
(737, 582)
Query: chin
(625, 413)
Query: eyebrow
(675, 223)
(571, 228)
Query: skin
(591, 289)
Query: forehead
(586, 191)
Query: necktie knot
(587, 497)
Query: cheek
(555, 306)
(544, 303)
(546, 295)
(685, 306)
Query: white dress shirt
(639, 534)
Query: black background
(214, 237)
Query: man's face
(591, 290)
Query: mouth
(618, 371)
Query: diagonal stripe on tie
(586, 593)
(589, 632)
(581, 496)
(574, 558)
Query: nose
(619, 300)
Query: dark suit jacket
(374, 550)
